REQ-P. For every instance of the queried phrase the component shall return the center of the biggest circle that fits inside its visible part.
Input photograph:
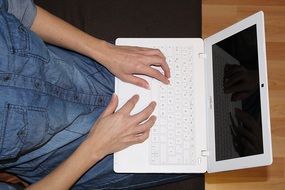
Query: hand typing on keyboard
(126, 61)
(118, 130)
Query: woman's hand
(113, 132)
(125, 61)
(122, 61)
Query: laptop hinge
(202, 56)
(205, 153)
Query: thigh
(100, 176)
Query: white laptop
(214, 116)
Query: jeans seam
(8, 108)
(73, 131)
(26, 47)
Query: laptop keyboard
(172, 139)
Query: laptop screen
(238, 127)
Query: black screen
(238, 127)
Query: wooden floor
(218, 14)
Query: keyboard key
(173, 141)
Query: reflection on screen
(238, 130)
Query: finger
(150, 51)
(144, 127)
(111, 106)
(137, 81)
(165, 67)
(161, 62)
(156, 74)
(129, 105)
(140, 137)
(144, 114)
(145, 50)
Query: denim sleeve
(24, 10)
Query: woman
(52, 97)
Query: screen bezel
(248, 161)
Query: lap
(100, 176)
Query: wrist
(94, 153)
(98, 50)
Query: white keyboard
(172, 139)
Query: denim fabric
(24, 10)
(45, 90)
(4, 186)
(49, 100)
(100, 176)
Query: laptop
(214, 115)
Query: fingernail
(147, 86)
(113, 96)
(136, 96)
(153, 102)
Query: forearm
(64, 176)
(58, 32)
(122, 61)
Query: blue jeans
(49, 99)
